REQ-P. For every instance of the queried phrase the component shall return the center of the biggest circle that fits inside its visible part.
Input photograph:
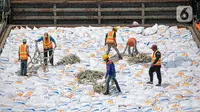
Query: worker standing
(131, 43)
(48, 47)
(155, 66)
(110, 40)
(23, 57)
(110, 73)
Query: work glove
(55, 46)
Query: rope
(38, 58)
(91, 77)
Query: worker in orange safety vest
(110, 41)
(155, 65)
(48, 47)
(23, 57)
(131, 43)
(198, 25)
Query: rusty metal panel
(87, 25)
(89, 1)
(83, 11)
(92, 9)
(52, 17)
(33, 9)
(89, 17)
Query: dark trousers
(23, 67)
(46, 52)
(108, 81)
(157, 70)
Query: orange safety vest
(110, 38)
(158, 63)
(198, 26)
(131, 42)
(47, 43)
(23, 52)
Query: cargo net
(94, 78)
(69, 59)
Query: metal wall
(95, 11)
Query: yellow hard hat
(105, 56)
(115, 28)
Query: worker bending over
(131, 43)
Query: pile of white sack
(58, 90)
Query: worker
(110, 73)
(155, 66)
(48, 47)
(198, 25)
(110, 40)
(23, 57)
(131, 43)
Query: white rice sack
(85, 107)
(137, 30)
(29, 109)
(150, 30)
(162, 29)
(18, 107)
(186, 103)
(101, 81)
(187, 92)
(83, 56)
(86, 98)
(195, 103)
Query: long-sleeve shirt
(41, 39)
(110, 67)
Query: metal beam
(93, 9)
(195, 33)
(54, 13)
(89, 17)
(75, 25)
(143, 13)
(99, 13)
(89, 1)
